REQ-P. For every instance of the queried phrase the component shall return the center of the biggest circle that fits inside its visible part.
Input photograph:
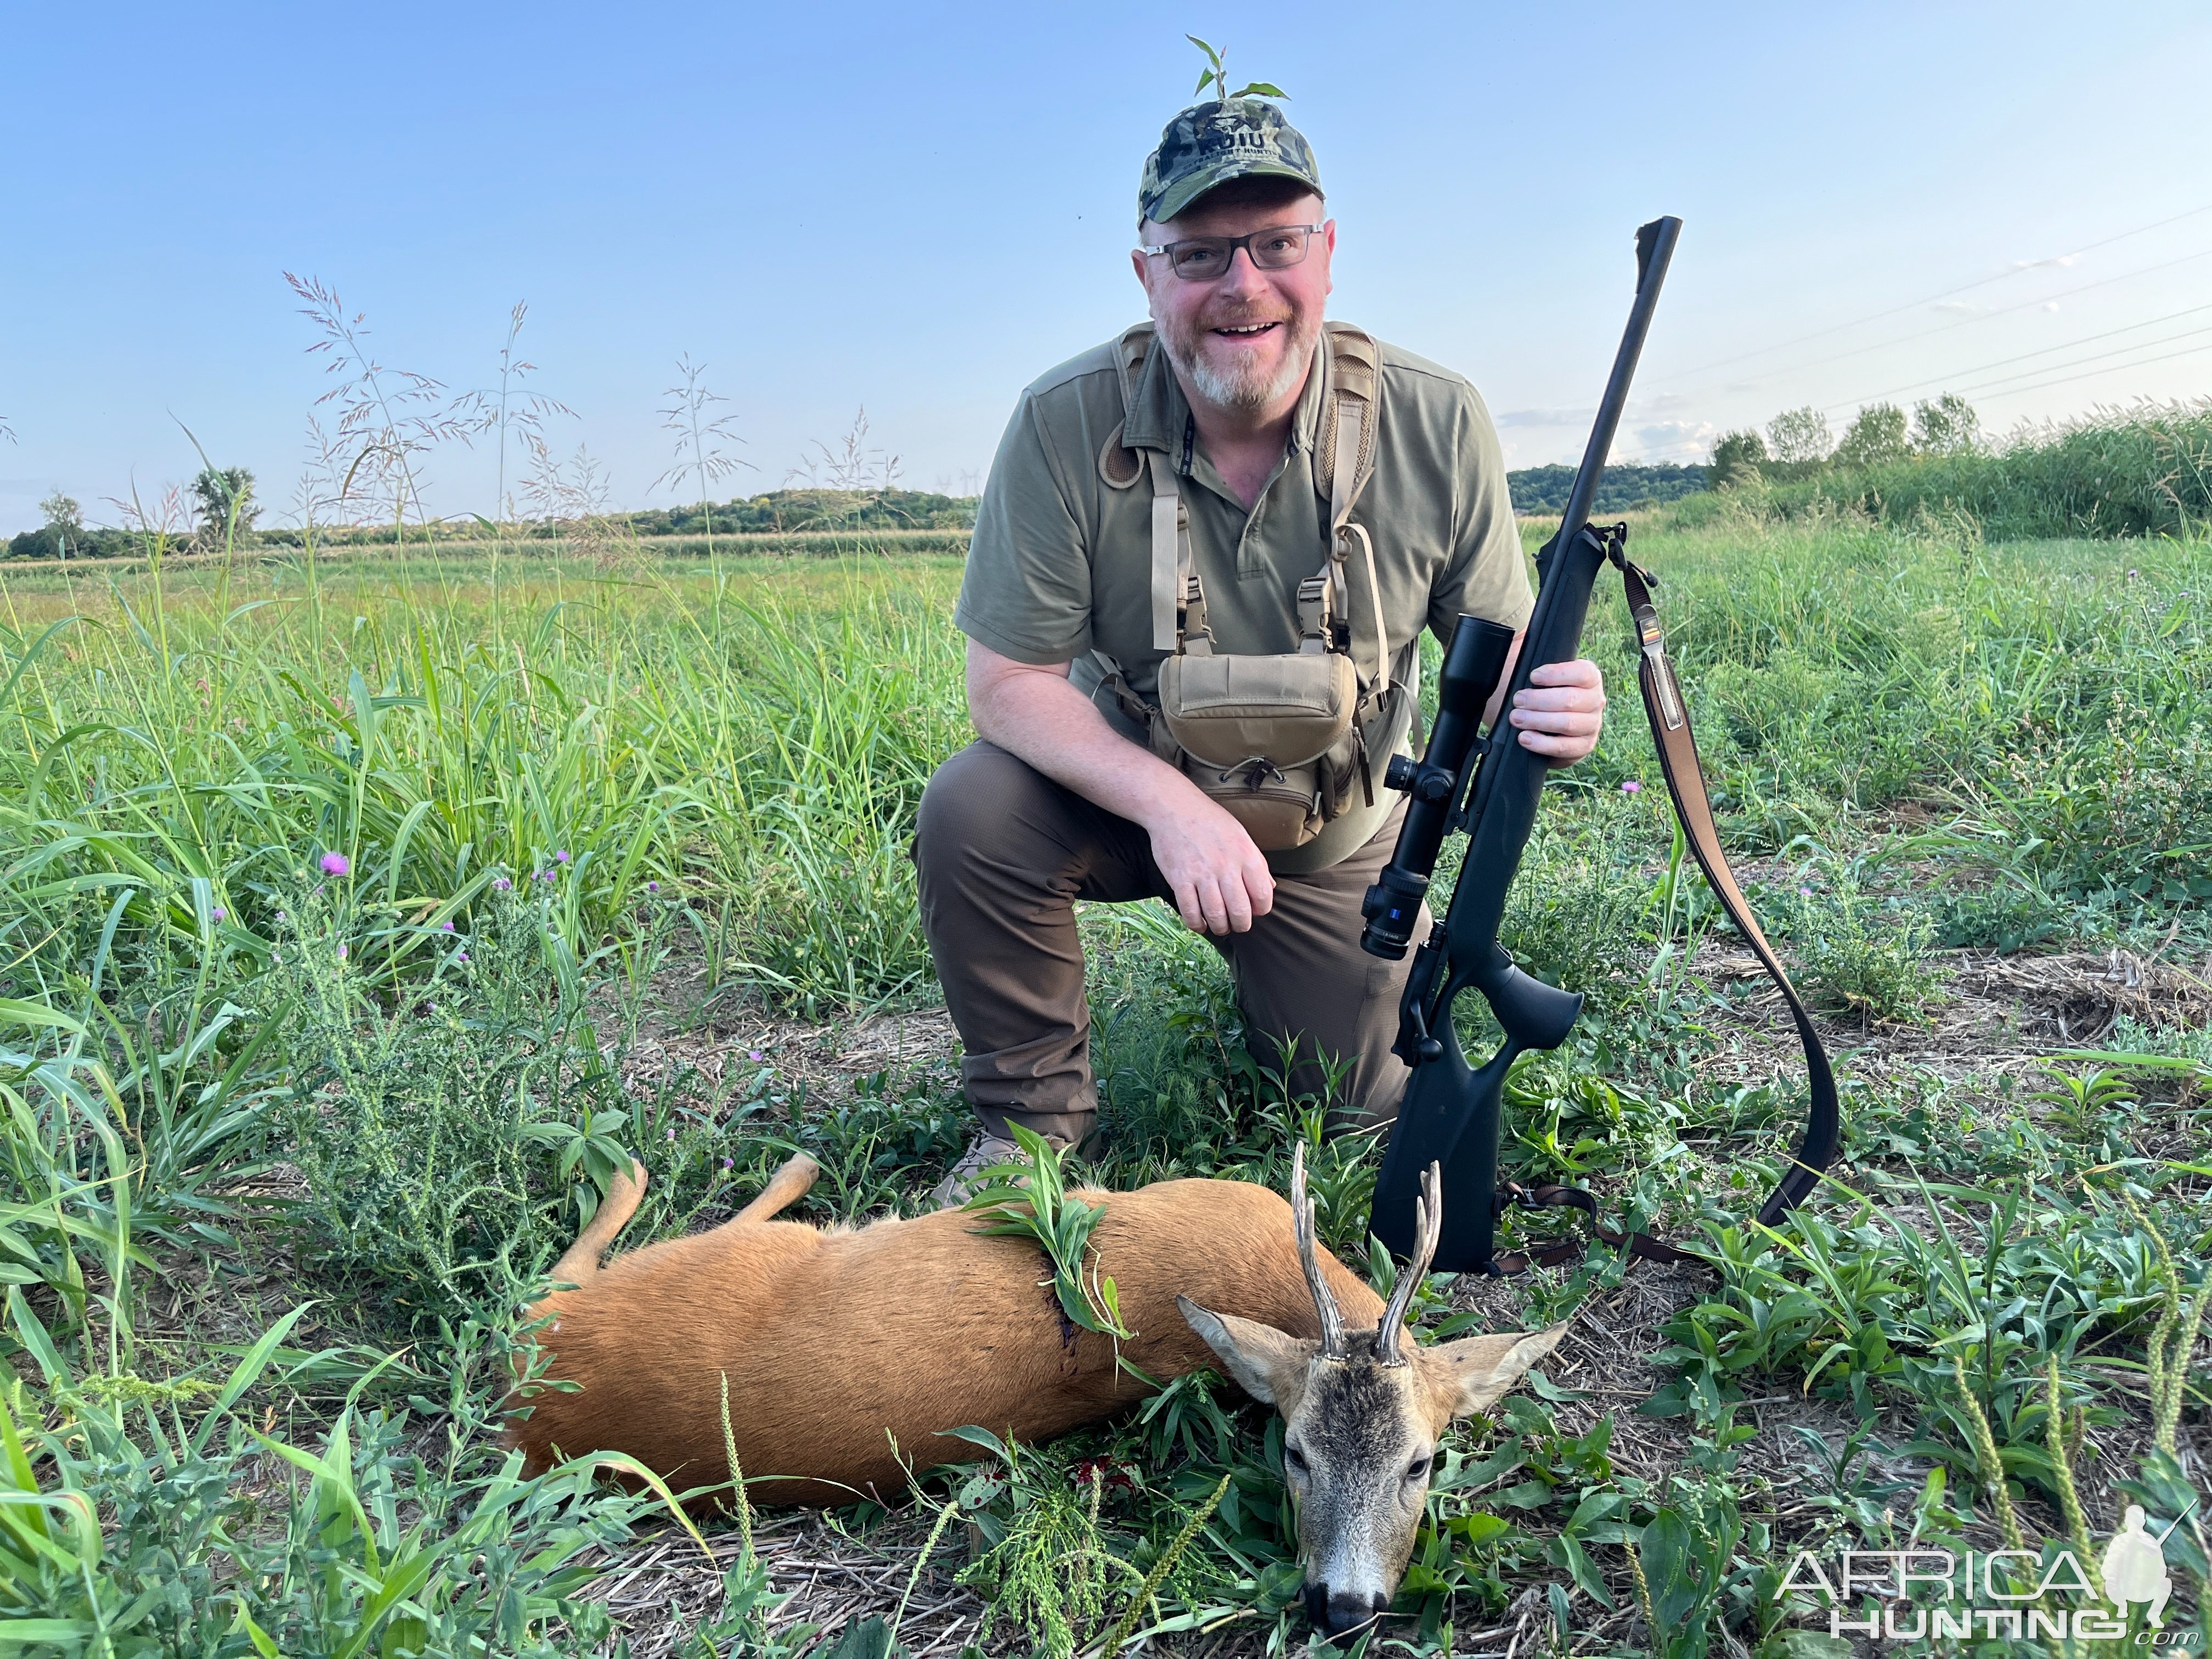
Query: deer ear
(1472, 1374)
(1267, 1364)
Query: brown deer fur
(838, 1343)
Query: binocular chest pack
(1279, 740)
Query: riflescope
(1437, 786)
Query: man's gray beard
(1241, 391)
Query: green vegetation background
(339, 901)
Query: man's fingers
(1576, 722)
(1581, 672)
(1260, 886)
(1584, 699)
(1237, 905)
(1213, 912)
(1557, 748)
(1186, 899)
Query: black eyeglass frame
(1229, 244)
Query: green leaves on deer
(1028, 1199)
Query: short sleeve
(1487, 575)
(1026, 593)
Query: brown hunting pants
(1002, 853)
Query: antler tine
(1428, 1225)
(1302, 1221)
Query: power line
(2096, 357)
(1913, 305)
(1982, 317)
(2090, 374)
(1946, 379)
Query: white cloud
(1682, 442)
(1513, 417)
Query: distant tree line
(1799, 444)
(1545, 488)
(221, 505)
(64, 535)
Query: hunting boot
(988, 1148)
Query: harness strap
(1169, 560)
(1669, 717)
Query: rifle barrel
(1654, 246)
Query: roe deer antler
(1302, 1221)
(1428, 1224)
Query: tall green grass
(178, 751)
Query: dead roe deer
(845, 1346)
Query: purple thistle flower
(280, 915)
(219, 913)
(561, 858)
(460, 955)
(1804, 892)
(671, 1135)
(501, 884)
(653, 887)
(753, 1054)
(1632, 787)
(341, 953)
(728, 1162)
(447, 925)
(335, 864)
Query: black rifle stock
(1450, 1112)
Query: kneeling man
(1206, 550)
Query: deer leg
(787, 1186)
(581, 1262)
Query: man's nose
(1243, 275)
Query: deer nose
(1333, 1613)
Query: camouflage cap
(1209, 145)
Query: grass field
(356, 916)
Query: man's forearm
(1044, 720)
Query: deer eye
(1294, 1459)
(1419, 1470)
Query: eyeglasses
(1202, 259)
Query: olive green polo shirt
(1060, 564)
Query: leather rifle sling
(1669, 717)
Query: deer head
(1362, 1414)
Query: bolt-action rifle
(1488, 788)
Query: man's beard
(1245, 388)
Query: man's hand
(1219, 878)
(1221, 881)
(1562, 712)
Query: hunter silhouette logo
(2134, 1566)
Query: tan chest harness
(1279, 740)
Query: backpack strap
(1346, 447)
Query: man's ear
(1267, 1364)
(1473, 1373)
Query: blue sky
(921, 208)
